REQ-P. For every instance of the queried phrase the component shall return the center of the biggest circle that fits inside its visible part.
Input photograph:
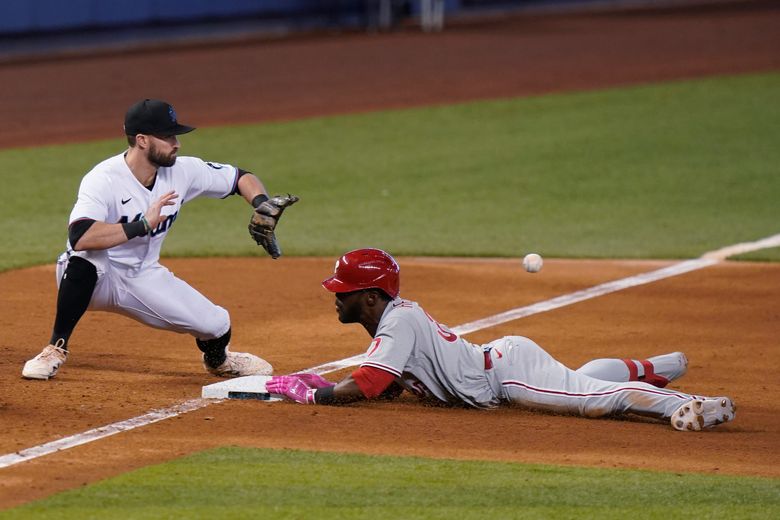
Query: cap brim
(335, 285)
(183, 129)
(176, 130)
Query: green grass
(278, 484)
(662, 171)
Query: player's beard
(158, 158)
(349, 307)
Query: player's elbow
(76, 234)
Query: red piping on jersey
(633, 372)
(380, 366)
(372, 381)
(594, 394)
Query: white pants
(525, 374)
(151, 295)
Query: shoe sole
(690, 416)
(39, 377)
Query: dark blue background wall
(41, 16)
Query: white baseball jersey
(131, 280)
(110, 193)
(432, 362)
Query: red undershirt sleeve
(372, 381)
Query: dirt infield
(725, 317)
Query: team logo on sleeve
(374, 345)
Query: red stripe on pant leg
(632, 370)
(650, 375)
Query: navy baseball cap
(153, 117)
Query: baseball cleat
(45, 365)
(238, 364)
(700, 413)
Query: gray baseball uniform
(434, 363)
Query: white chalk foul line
(104, 431)
(585, 294)
(744, 247)
(555, 303)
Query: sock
(73, 298)
(214, 350)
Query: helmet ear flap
(365, 269)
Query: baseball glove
(264, 219)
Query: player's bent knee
(606, 369)
(592, 368)
(81, 271)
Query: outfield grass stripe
(514, 314)
(239, 483)
(233, 482)
(665, 171)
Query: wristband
(324, 395)
(259, 200)
(134, 229)
(147, 227)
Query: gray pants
(525, 374)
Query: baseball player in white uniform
(411, 351)
(126, 205)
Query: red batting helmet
(365, 269)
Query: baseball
(532, 263)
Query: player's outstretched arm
(302, 389)
(102, 235)
(249, 186)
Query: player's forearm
(249, 186)
(102, 235)
(347, 391)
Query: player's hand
(152, 215)
(314, 381)
(292, 387)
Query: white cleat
(238, 364)
(700, 413)
(45, 365)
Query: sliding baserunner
(411, 351)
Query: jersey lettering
(165, 224)
(125, 219)
(448, 336)
(161, 227)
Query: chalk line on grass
(744, 247)
(154, 416)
